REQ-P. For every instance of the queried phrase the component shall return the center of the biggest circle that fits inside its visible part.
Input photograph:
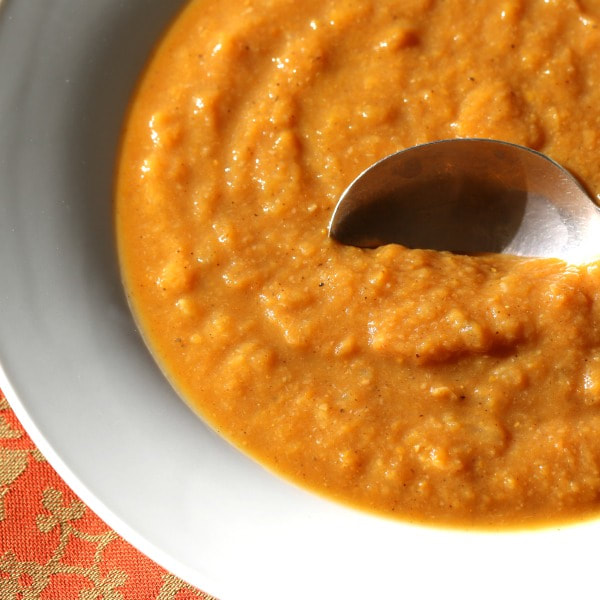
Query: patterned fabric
(52, 547)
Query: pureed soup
(440, 388)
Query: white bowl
(81, 381)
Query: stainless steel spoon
(470, 196)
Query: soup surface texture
(444, 389)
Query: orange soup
(439, 388)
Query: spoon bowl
(470, 196)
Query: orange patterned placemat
(53, 547)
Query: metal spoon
(470, 196)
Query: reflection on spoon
(470, 196)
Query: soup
(437, 388)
